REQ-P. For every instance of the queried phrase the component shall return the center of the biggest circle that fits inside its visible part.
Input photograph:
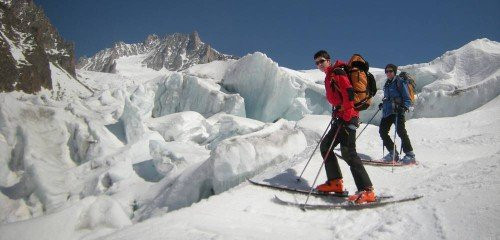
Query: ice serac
(182, 127)
(43, 144)
(176, 156)
(458, 82)
(235, 159)
(214, 70)
(137, 108)
(37, 167)
(179, 92)
(232, 160)
(224, 126)
(270, 92)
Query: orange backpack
(410, 82)
(362, 81)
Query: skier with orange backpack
(397, 100)
(341, 94)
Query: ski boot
(389, 157)
(335, 185)
(364, 196)
(409, 158)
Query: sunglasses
(389, 71)
(320, 61)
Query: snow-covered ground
(458, 176)
(144, 154)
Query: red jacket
(339, 95)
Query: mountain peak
(194, 41)
(174, 52)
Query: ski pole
(394, 147)
(367, 124)
(383, 150)
(323, 163)
(321, 139)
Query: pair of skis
(342, 202)
(381, 163)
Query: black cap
(392, 66)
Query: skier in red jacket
(340, 94)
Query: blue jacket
(395, 92)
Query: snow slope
(459, 168)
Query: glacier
(118, 156)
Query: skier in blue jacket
(395, 103)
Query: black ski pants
(385, 126)
(347, 139)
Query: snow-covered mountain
(173, 52)
(33, 56)
(156, 153)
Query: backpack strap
(399, 84)
(336, 71)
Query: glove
(401, 108)
(335, 110)
(380, 106)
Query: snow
(270, 92)
(57, 52)
(64, 85)
(137, 108)
(7, 2)
(469, 75)
(25, 40)
(176, 156)
(144, 154)
(96, 213)
(213, 70)
(233, 160)
(179, 92)
(239, 157)
(225, 126)
(15, 50)
(457, 82)
(462, 177)
(183, 126)
(131, 66)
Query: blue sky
(290, 32)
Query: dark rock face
(28, 42)
(174, 52)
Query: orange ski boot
(365, 196)
(335, 185)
